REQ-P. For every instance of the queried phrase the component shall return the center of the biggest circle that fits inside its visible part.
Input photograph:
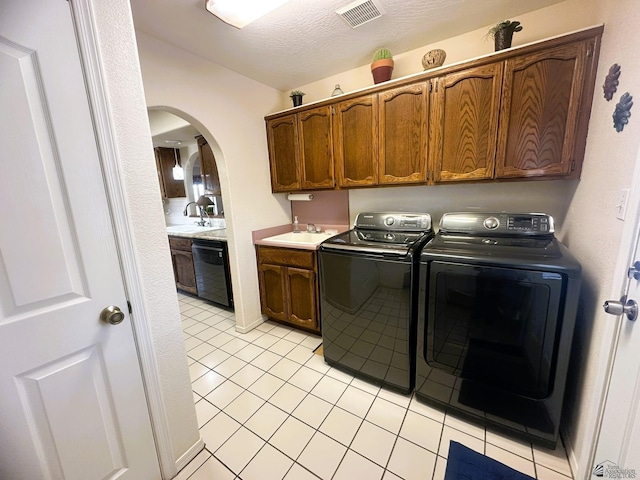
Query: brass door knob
(112, 315)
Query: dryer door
(494, 325)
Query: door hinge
(129, 307)
(436, 82)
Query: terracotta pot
(381, 70)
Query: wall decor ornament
(622, 112)
(433, 58)
(611, 82)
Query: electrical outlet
(621, 203)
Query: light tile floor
(269, 408)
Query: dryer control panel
(518, 224)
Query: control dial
(389, 221)
(491, 223)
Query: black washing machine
(368, 292)
(498, 296)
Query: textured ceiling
(305, 40)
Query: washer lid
(377, 241)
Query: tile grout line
(333, 404)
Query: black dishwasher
(210, 260)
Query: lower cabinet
(288, 286)
(182, 259)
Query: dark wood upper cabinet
(284, 156)
(464, 123)
(165, 161)
(208, 168)
(316, 149)
(404, 115)
(355, 144)
(541, 103)
(518, 114)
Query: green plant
(296, 92)
(382, 53)
(504, 25)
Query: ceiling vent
(360, 12)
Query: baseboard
(251, 326)
(190, 454)
(568, 447)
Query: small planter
(296, 97)
(382, 69)
(503, 39)
(502, 33)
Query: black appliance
(210, 260)
(498, 295)
(368, 304)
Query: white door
(72, 403)
(618, 449)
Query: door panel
(404, 116)
(465, 124)
(618, 441)
(316, 149)
(73, 403)
(539, 114)
(355, 148)
(284, 153)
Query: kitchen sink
(189, 229)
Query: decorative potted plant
(502, 33)
(382, 65)
(296, 97)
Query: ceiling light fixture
(240, 13)
(178, 171)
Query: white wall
(228, 110)
(137, 165)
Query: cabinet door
(284, 157)
(165, 161)
(316, 149)
(208, 168)
(355, 130)
(539, 115)
(272, 291)
(404, 116)
(301, 297)
(184, 272)
(464, 124)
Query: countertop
(220, 234)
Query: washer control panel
(525, 224)
(396, 221)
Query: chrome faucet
(202, 222)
